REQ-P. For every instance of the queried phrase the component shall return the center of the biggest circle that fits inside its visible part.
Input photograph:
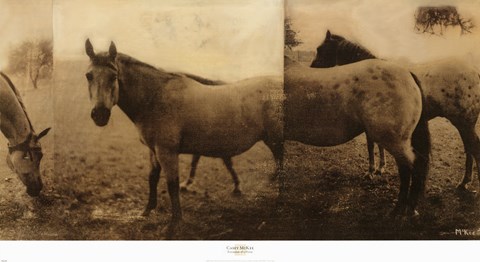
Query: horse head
(102, 79)
(326, 52)
(24, 159)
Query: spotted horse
(451, 88)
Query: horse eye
(113, 78)
(89, 76)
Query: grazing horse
(451, 88)
(24, 149)
(331, 106)
(175, 114)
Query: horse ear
(43, 133)
(112, 50)
(328, 36)
(89, 49)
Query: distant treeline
(302, 56)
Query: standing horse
(175, 114)
(451, 88)
(24, 149)
(328, 107)
(227, 161)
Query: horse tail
(421, 144)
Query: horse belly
(219, 142)
(322, 125)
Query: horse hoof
(236, 192)
(273, 177)
(462, 188)
(146, 213)
(183, 187)
(463, 191)
(413, 213)
(398, 211)
(368, 176)
(171, 229)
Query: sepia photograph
(238, 121)
(166, 117)
(405, 74)
(26, 118)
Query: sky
(227, 40)
(23, 20)
(384, 27)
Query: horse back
(222, 120)
(452, 89)
(327, 107)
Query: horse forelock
(19, 98)
(103, 59)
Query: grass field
(96, 184)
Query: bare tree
(33, 59)
(291, 38)
(429, 18)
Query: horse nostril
(100, 115)
(94, 113)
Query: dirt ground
(96, 185)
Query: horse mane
(19, 98)
(128, 60)
(355, 50)
(203, 80)
(103, 59)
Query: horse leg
(471, 143)
(381, 165)
(153, 178)
(404, 170)
(277, 149)
(193, 170)
(169, 162)
(467, 177)
(228, 163)
(412, 167)
(422, 145)
(371, 157)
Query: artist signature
(467, 232)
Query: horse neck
(139, 85)
(14, 122)
(348, 53)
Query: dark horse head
(102, 82)
(336, 50)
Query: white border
(278, 251)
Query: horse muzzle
(100, 115)
(34, 190)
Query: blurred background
(386, 28)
